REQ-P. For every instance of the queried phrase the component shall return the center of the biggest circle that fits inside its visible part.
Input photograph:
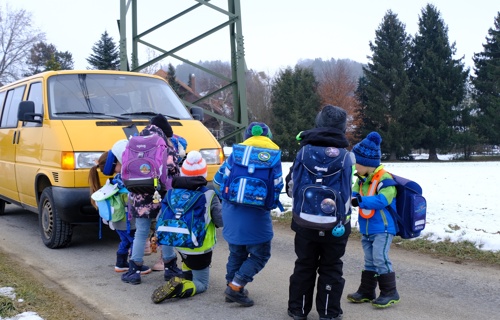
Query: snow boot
(133, 275)
(366, 290)
(237, 294)
(174, 288)
(171, 269)
(388, 293)
(121, 262)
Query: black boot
(172, 270)
(388, 293)
(133, 275)
(366, 291)
(121, 262)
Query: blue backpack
(251, 176)
(184, 217)
(322, 186)
(411, 207)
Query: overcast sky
(277, 33)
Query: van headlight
(212, 156)
(84, 160)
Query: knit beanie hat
(194, 165)
(332, 117)
(161, 122)
(258, 129)
(114, 156)
(367, 152)
(118, 148)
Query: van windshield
(90, 95)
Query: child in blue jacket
(376, 224)
(247, 230)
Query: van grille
(56, 176)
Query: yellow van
(55, 125)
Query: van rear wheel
(55, 232)
(2, 207)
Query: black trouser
(321, 254)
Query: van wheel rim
(47, 219)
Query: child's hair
(94, 182)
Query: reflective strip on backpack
(318, 219)
(173, 229)
(241, 190)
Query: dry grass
(33, 295)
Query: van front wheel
(2, 207)
(55, 232)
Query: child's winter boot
(133, 275)
(121, 262)
(171, 269)
(237, 294)
(174, 288)
(366, 290)
(245, 292)
(388, 293)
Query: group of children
(249, 232)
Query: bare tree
(17, 36)
(152, 68)
(337, 87)
(259, 96)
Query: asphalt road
(429, 288)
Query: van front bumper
(73, 205)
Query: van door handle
(18, 136)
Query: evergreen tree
(106, 54)
(386, 89)
(172, 80)
(487, 85)
(438, 81)
(295, 103)
(44, 57)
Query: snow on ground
(462, 198)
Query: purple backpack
(144, 164)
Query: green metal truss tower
(237, 81)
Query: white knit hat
(118, 148)
(194, 165)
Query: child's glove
(356, 200)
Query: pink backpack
(144, 165)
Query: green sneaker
(172, 288)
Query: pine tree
(172, 79)
(487, 85)
(106, 55)
(438, 82)
(295, 103)
(386, 89)
(44, 57)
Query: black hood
(324, 137)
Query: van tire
(55, 232)
(2, 207)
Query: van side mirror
(26, 112)
(197, 113)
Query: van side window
(2, 98)
(35, 95)
(9, 114)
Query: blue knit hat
(367, 152)
(258, 129)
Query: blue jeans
(126, 241)
(201, 279)
(245, 261)
(376, 249)
(142, 228)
